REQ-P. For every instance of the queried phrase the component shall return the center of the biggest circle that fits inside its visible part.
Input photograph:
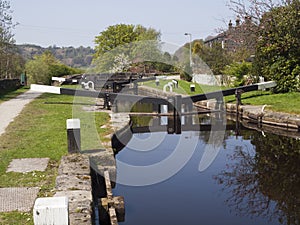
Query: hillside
(80, 57)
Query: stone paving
(21, 198)
(18, 198)
(28, 165)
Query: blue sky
(77, 22)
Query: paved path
(12, 108)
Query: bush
(240, 71)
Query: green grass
(287, 102)
(184, 87)
(40, 131)
(12, 94)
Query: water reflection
(259, 174)
(264, 181)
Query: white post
(73, 134)
(52, 210)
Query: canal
(246, 177)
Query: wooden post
(238, 97)
(106, 101)
(177, 114)
(73, 135)
(111, 208)
(114, 87)
(135, 88)
(171, 118)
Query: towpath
(12, 108)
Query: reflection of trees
(265, 183)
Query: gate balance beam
(97, 94)
(232, 91)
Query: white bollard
(73, 135)
(52, 210)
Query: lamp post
(191, 61)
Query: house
(242, 35)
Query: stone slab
(28, 165)
(74, 164)
(80, 206)
(17, 199)
(71, 182)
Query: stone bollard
(73, 135)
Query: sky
(76, 22)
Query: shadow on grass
(250, 96)
(71, 103)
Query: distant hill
(80, 57)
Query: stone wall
(9, 85)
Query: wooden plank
(170, 114)
(113, 216)
(108, 185)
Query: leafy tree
(239, 71)
(278, 49)
(136, 42)
(215, 57)
(43, 67)
(11, 63)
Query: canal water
(252, 178)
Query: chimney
(238, 20)
(230, 25)
(248, 19)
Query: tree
(215, 57)
(136, 42)
(43, 67)
(245, 34)
(278, 49)
(239, 71)
(10, 62)
(255, 9)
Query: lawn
(184, 87)
(40, 131)
(287, 102)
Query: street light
(191, 61)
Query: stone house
(242, 35)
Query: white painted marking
(73, 123)
(45, 89)
(59, 79)
(264, 85)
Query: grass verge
(38, 132)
